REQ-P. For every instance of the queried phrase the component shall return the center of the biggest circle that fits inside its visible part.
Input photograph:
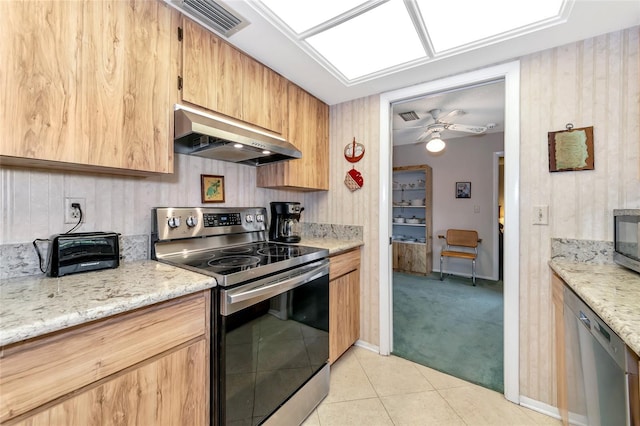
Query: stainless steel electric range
(270, 319)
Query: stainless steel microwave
(626, 238)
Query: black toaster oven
(82, 252)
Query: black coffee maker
(285, 222)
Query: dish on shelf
(422, 240)
(410, 240)
(402, 203)
(398, 220)
(414, 220)
(417, 202)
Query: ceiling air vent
(409, 116)
(219, 18)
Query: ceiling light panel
(301, 16)
(380, 38)
(455, 23)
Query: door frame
(510, 73)
(496, 213)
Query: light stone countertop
(35, 305)
(613, 292)
(334, 245)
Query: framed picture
(571, 149)
(463, 189)
(212, 188)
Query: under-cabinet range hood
(218, 138)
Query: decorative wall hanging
(212, 188)
(353, 180)
(354, 151)
(571, 149)
(463, 189)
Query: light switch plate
(540, 215)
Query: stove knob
(192, 221)
(259, 218)
(173, 222)
(249, 218)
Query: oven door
(273, 340)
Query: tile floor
(369, 389)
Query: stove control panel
(217, 219)
(170, 223)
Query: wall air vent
(219, 18)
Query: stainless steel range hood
(222, 139)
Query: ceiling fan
(441, 124)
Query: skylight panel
(454, 23)
(381, 38)
(301, 15)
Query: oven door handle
(273, 288)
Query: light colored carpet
(450, 326)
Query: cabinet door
(171, 390)
(410, 257)
(87, 84)
(308, 130)
(344, 313)
(212, 71)
(264, 96)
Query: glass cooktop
(247, 261)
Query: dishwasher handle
(584, 320)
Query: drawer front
(36, 372)
(344, 263)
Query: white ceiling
(481, 105)
(271, 46)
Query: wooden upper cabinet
(220, 78)
(264, 96)
(87, 84)
(308, 130)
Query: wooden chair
(462, 244)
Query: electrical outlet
(540, 215)
(72, 214)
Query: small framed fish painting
(212, 188)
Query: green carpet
(450, 326)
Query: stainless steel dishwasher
(601, 374)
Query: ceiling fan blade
(449, 115)
(466, 128)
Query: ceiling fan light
(435, 144)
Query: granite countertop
(334, 245)
(613, 292)
(35, 305)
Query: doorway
(510, 72)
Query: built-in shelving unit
(412, 219)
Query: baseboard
(367, 346)
(540, 407)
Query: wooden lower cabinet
(153, 394)
(145, 367)
(557, 296)
(410, 257)
(344, 302)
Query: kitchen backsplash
(19, 260)
(582, 251)
(326, 230)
